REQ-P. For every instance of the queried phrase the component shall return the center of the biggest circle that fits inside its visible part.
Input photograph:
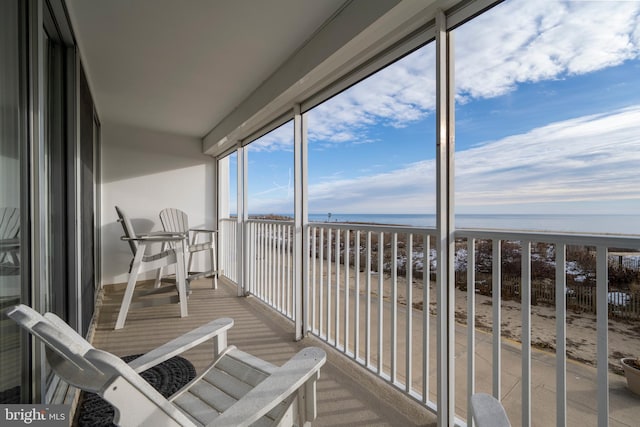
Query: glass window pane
(548, 117)
(270, 174)
(228, 186)
(372, 147)
(548, 139)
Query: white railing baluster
(602, 315)
(356, 326)
(471, 325)
(289, 258)
(265, 254)
(329, 281)
(526, 333)
(337, 296)
(409, 327)
(254, 258)
(321, 305)
(426, 295)
(496, 293)
(394, 306)
(380, 300)
(347, 249)
(277, 268)
(288, 253)
(284, 286)
(561, 335)
(286, 270)
(269, 263)
(263, 258)
(367, 338)
(282, 273)
(273, 267)
(314, 262)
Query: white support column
(301, 222)
(222, 209)
(445, 221)
(215, 202)
(241, 247)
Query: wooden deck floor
(347, 395)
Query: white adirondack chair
(176, 221)
(9, 236)
(488, 411)
(237, 389)
(144, 260)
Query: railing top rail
(270, 221)
(582, 239)
(608, 240)
(374, 227)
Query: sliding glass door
(12, 136)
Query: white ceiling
(183, 66)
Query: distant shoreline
(624, 224)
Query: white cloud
(523, 41)
(395, 96)
(280, 138)
(584, 159)
(588, 158)
(516, 42)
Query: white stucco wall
(143, 172)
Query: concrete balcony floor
(347, 394)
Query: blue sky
(547, 121)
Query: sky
(547, 120)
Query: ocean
(614, 224)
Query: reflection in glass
(10, 346)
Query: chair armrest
(164, 233)
(283, 382)
(155, 238)
(182, 344)
(203, 230)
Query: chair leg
(190, 260)
(131, 284)
(181, 282)
(214, 266)
(158, 281)
(156, 284)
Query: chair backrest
(174, 220)
(9, 223)
(128, 229)
(65, 349)
(81, 365)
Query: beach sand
(623, 335)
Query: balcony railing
(271, 264)
(228, 241)
(369, 295)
